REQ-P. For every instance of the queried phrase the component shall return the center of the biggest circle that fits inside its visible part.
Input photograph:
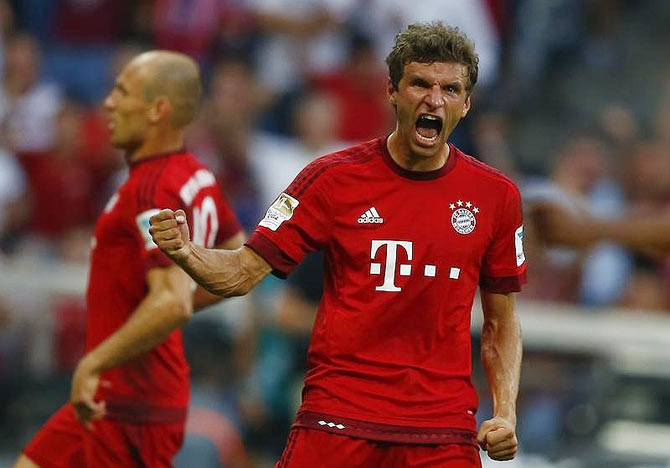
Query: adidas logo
(370, 217)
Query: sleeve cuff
(503, 284)
(282, 265)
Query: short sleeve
(296, 223)
(504, 265)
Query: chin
(428, 150)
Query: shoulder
(330, 164)
(490, 177)
(173, 175)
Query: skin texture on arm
(557, 226)
(166, 307)
(203, 298)
(501, 358)
(223, 272)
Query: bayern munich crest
(463, 216)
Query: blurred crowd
(568, 104)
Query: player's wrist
(507, 414)
(91, 363)
(182, 254)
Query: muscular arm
(223, 272)
(557, 226)
(501, 358)
(166, 307)
(203, 298)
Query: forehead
(132, 76)
(437, 71)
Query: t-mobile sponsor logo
(404, 269)
(391, 259)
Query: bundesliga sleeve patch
(143, 225)
(281, 210)
(518, 246)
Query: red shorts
(64, 443)
(307, 448)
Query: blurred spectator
(81, 45)
(222, 135)
(13, 204)
(91, 21)
(63, 188)
(200, 28)
(662, 121)
(28, 106)
(6, 25)
(556, 271)
(646, 177)
(491, 137)
(646, 289)
(301, 37)
(543, 30)
(359, 89)
(619, 125)
(277, 160)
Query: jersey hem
(385, 432)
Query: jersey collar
(418, 175)
(156, 156)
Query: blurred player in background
(131, 389)
(410, 226)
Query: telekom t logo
(391, 259)
(404, 269)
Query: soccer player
(130, 391)
(410, 227)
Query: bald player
(130, 391)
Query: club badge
(463, 216)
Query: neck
(157, 143)
(405, 158)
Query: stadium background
(573, 102)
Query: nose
(108, 103)
(434, 98)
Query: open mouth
(428, 128)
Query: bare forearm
(560, 227)
(203, 298)
(151, 323)
(225, 272)
(501, 358)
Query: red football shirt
(155, 386)
(390, 355)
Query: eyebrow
(120, 87)
(420, 79)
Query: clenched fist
(498, 437)
(169, 231)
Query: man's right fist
(169, 231)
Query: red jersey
(390, 355)
(154, 386)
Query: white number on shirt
(204, 217)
